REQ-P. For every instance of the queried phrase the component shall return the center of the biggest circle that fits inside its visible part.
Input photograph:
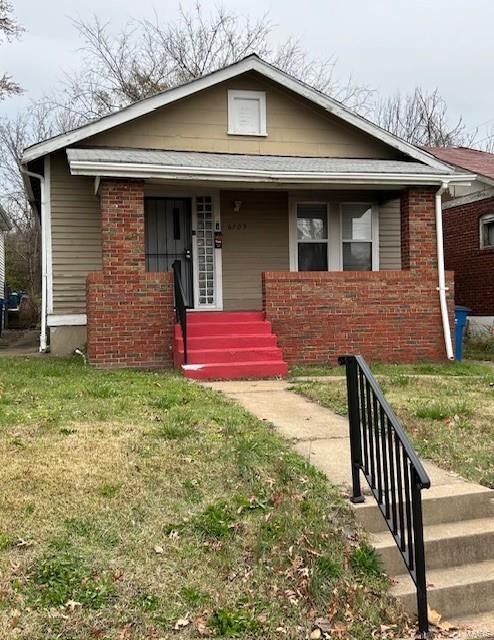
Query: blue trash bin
(461, 314)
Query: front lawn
(136, 505)
(448, 410)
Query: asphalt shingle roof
(479, 162)
(243, 162)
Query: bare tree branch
(9, 29)
(421, 118)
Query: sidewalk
(457, 514)
(318, 434)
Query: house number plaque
(237, 226)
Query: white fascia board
(143, 107)
(143, 170)
(251, 63)
(67, 320)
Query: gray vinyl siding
(76, 235)
(255, 240)
(389, 236)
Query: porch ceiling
(147, 163)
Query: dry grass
(133, 503)
(450, 418)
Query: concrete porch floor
(321, 436)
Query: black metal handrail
(381, 450)
(180, 304)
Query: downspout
(442, 288)
(44, 270)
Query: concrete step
(457, 591)
(194, 317)
(236, 370)
(444, 503)
(480, 625)
(228, 342)
(446, 545)
(201, 329)
(244, 354)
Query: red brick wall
(473, 266)
(129, 312)
(388, 316)
(418, 228)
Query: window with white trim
(312, 236)
(487, 231)
(356, 237)
(246, 113)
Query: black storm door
(168, 231)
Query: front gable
(294, 126)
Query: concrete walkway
(458, 515)
(19, 342)
(318, 434)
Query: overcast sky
(389, 45)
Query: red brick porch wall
(387, 316)
(473, 266)
(129, 312)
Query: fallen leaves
(433, 616)
(181, 623)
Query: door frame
(187, 205)
(164, 191)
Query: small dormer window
(487, 231)
(246, 113)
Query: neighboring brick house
(468, 218)
(299, 231)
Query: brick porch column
(129, 311)
(418, 228)
(122, 227)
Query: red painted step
(228, 346)
(229, 342)
(194, 317)
(207, 328)
(249, 354)
(235, 370)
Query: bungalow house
(468, 214)
(299, 231)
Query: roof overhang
(250, 63)
(182, 165)
(143, 171)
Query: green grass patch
(364, 560)
(449, 417)
(60, 579)
(479, 348)
(146, 506)
(431, 369)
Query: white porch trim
(172, 172)
(67, 320)
(47, 237)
